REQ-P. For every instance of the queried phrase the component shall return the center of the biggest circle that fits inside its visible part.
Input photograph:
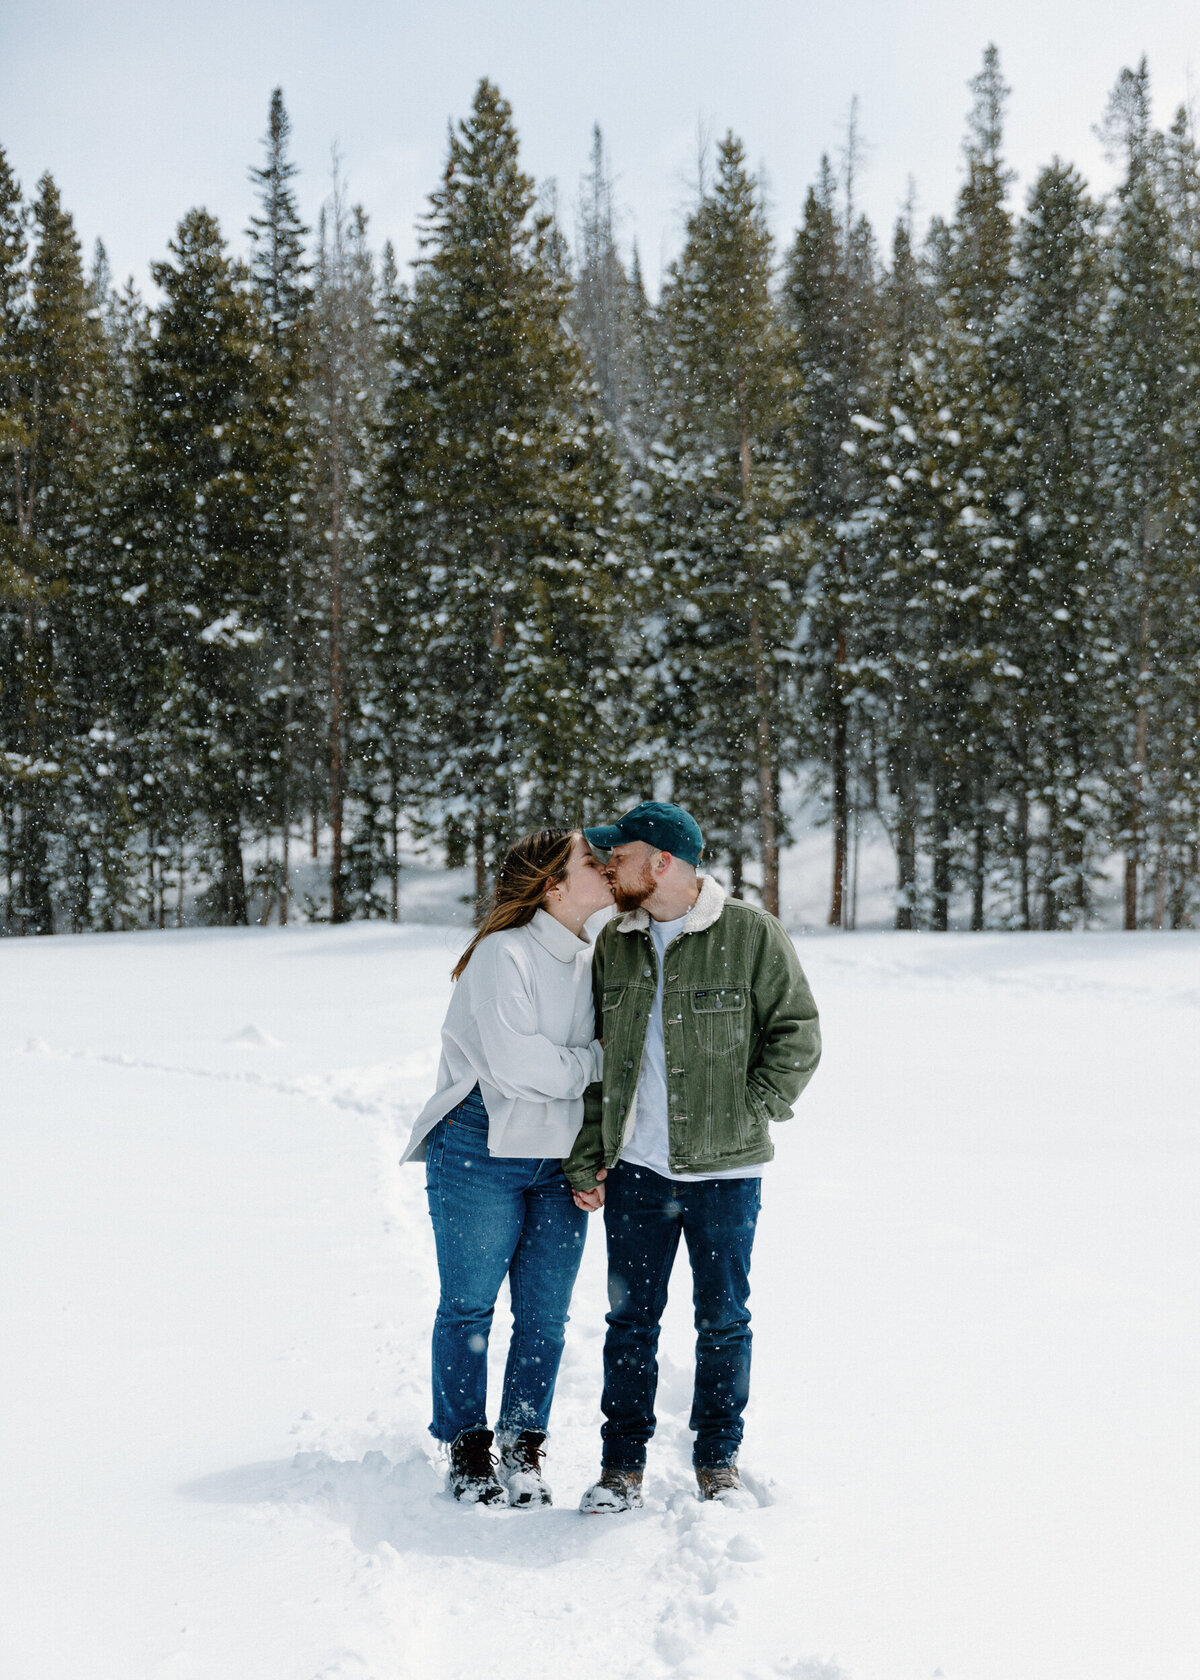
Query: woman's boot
(472, 1475)
(521, 1468)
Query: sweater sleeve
(587, 1156)
(521, 1061)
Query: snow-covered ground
(975, 1428)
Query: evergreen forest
(306, 559)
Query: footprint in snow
(254, 1038)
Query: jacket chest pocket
(720, 1014)
(624, 1012)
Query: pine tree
(610, 314)
(209, 550)
(831, 302)
(922, 523)
(57, 447)
(499, 496)
(1177, 861)
(727, 551)
(976, 273)
(346, 406)
(281, 274)
(1145, 450)
(1060, 633)
(892, 632)
(17, 586)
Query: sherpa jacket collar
(706, 910)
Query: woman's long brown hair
(532, 867)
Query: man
(710, 1033)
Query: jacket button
(628, 1064)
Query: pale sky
(144, 108)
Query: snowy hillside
(973, 1433)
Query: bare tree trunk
(1023, 856)
(479, 840)
(766, 781)
(289, 713)
(941, 861)
(268, 902)
(233, 875)
(1141, 744)
(906, 842)
(768, 827)
(978, 874)
(841, 792)
(856, 835)
(337, 908)
(395, 847)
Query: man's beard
(632, 898)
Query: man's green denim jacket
(739, 1025)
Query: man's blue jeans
(644, 1217)
(495, 1216)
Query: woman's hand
(590, 1200)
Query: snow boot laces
(472, 1475)
(521, 1469)
(716, 1480)
(617, 1490)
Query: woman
(518, 1049)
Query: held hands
(590, 1200)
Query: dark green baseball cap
(667, 828)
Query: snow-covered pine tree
(729, 555)
(610, 315)
(118, 864)
(919, 527)
(208, 552)
(385, 767)
(892, 633)
(1176, 865)
(1148, 376)
(18, 586)
(1059, 634)
(975, 279)
(57, 595)
(349, 384)
(102, 878)
(500, 506)
(281, 272)
(831, 303)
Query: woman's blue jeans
(496, 1216)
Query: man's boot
(472, 1475)
(617, 1490)
(521, 1469)
(718, 1481)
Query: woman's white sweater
(521, 1023)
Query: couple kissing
(640, 1076)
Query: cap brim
(604, 838)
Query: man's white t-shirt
(649, 1146)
